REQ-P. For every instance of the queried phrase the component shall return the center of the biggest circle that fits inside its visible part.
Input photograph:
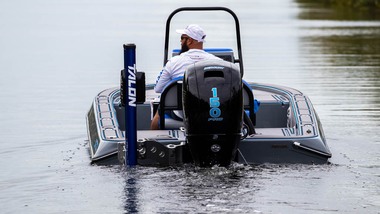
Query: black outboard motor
(213, 111)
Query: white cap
(194, 31)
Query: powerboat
(210, 116)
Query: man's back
(177, 66)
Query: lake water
(57, 55)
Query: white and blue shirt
(177, 66)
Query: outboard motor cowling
(213, 111)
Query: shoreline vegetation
(360, 4)
(340, 9)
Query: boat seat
(249, 102)
(171, 100)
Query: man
(192, 38)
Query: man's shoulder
(174, 59)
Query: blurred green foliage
(356, 3)
(340, 9)
(363, 4)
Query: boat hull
(288, 130)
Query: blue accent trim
(247, 84)
(173, 80)
(256, 103)
(256, 106)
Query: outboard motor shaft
(213, 111)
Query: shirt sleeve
(163, 78)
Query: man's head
(193, 31)
(192, 37)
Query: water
(57, 55)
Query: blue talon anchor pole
(130, 105)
